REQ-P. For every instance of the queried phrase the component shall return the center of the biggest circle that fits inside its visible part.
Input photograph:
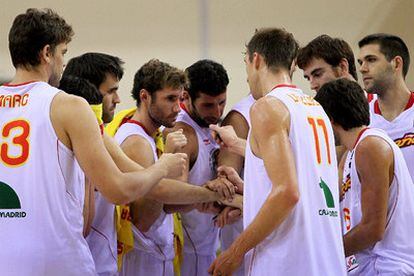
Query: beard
(158, 119)
(202, 122)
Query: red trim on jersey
(410, 103)
(359, 136)
(17, 84)
(183, 107)
(370, 97)
(140, 124)
(101, 127)
(284, 85)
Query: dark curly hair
(82, 88)
(156, 75)
(94, 67)
(208, 77)
(331, 50)
(345, 103)
(32, 31)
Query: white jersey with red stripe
(309, 240)
(156, 246)
(200, 233)
(41, 189)
(401, 129)
(394, 254)
(229, 233)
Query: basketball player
(42, 217)
(157, 90)
(203, 104)
(288, 200)
(384, 61)
(377, 192)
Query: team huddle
(284, 184)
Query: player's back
(309, 241)
(41, 192)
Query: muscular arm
(241, 127)
(270, 133)
(168, 191)
(75, 126)
(374, 160)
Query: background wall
(183, 31)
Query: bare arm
(270, 142)
(168, 191)
(241, 127)
(76, 127)
(375, 166)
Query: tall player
(377, 199)
(41, 185)
(291, 214)
(384, 61)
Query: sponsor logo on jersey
(329, 200)
(351, 263)
(206, 142)
(9, 203)
(405, 141)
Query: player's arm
(76, 127)
(270, 134)
(375, 167)
(144, 211)
(168, 191)
(241, 127)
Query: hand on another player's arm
(228, 215)
(232, 175)
(227, 138)
(223, 187)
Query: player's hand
(228, 215)
(232, 175)
(175, 141)
(223, 187)
(175, 163)
(225, 136)
(226, 263)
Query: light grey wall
(172, 30)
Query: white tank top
(200, 234)
(395, 252)
(309, 241)
(41, 189)
(159, 239)
(401, 129)
(243, 107)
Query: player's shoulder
(373, 147)
(268, 108)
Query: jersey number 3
(17, 132)
(321, 124)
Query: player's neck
(270, 80)
(23, 75)
(393, 100)
(349, 138)
(142, 116)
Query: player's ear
(144, 95)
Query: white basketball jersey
(41, 189)
(401, 129)
(200, 234)
(309, 240)
(394, 254)
(159, 239)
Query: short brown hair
(277, 46)
(32, 31)
(156, 75)
(331, 50)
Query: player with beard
(157, 90)
(384, 60)
(203, 104)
